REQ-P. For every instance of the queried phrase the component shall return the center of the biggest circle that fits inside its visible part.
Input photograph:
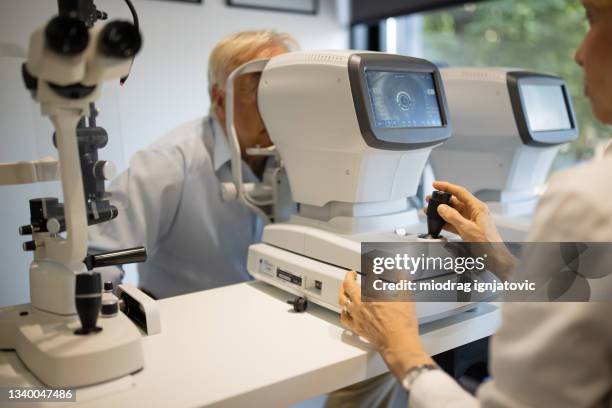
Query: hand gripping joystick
(88, 299)
(434, 221)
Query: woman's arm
(393, 329)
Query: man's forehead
(271, 51)
(267, 51)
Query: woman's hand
(469, 218)
(391, 327)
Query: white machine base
(48, 346)
(320, 282)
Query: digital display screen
(545, 107)
(403, 99)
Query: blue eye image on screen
(403, 99)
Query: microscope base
(47, 345)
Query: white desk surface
(242, 345)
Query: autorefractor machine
(352, 132)
(508, 126)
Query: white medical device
(67, 63)
(508, 126)
(352, 133)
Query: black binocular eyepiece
(66, 35)
(120, 39)
(69, 36)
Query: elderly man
(543, 355)
(169, 198)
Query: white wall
(167, 87)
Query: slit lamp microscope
(70, 335)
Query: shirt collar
(222, 154)
(221, 150)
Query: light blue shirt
(169, 201)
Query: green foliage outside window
(540, 35)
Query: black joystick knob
(300, 304)
(434, 221)
(120, 39)
(66, 35)
(88, 300)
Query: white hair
(239, 48)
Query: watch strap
(413, 373)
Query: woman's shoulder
(577, 204)
(590, 180)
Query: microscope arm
(73, 249)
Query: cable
(137, 25)
(134, 13)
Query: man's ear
(218, 99)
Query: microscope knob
(26, 230)
(120, 39)
(88, 301)
(300, 304)
(54, 226)
(104, 170)
(434, 221)
(108, 287)
(67, 35)
(29, 246)
(110, 302)
(109, 308)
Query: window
(539, 35)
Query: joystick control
(88, 300)
(434, 221)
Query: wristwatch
(414, 373)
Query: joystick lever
(88, 300)
(434, 221)
(124, 256)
